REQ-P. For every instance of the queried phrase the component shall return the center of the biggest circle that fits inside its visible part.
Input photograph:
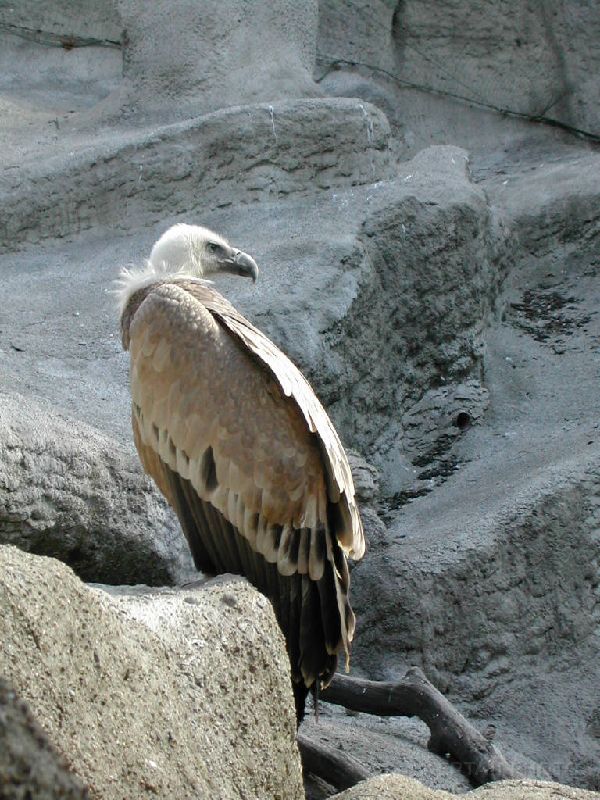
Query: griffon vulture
(240, 446)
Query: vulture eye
(213, 247)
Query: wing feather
(294, 385)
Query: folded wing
(240, 446)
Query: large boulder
(195, 700)
(69, 492)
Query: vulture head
(189, 251)
(199, 252)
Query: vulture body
(241, 448)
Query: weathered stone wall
(448, 78)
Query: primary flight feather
(240, 446)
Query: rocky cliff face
(421, 191)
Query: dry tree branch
(451, 735)
(338, 769)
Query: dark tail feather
(205, 556)
(330, 614)
(312, 641)
(293, 630)
(223, 537)
(300, 694)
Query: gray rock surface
(69, 491)
(443, 301)
(177, 63)
(156, 700)
(29, 767)
(94, 20)
(239, 155)
(527, 59)
(442, 77)
(210, 55)
(382, 745)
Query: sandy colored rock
(531, 790)
(29, 767)
(392, 787)
(210, 716)
(397, 787)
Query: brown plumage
(240, 446)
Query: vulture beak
(241, 263)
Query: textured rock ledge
(238, 155)
(29, 766)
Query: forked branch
(451, 735)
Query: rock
(509, 57)
(431, 239)
(433, 425)
(488, 584)
(69, 492)
(364, 475)
(260, 152)
(441, 87)
(554, 205)
(55, 62)
(366, 485)
(373, 36)
(218, 47)
(29, 766)
(228, 54)
(204, 709)
(95, 20)
(530, 790)
(392, 787)
(384, 744)
(397, 787)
